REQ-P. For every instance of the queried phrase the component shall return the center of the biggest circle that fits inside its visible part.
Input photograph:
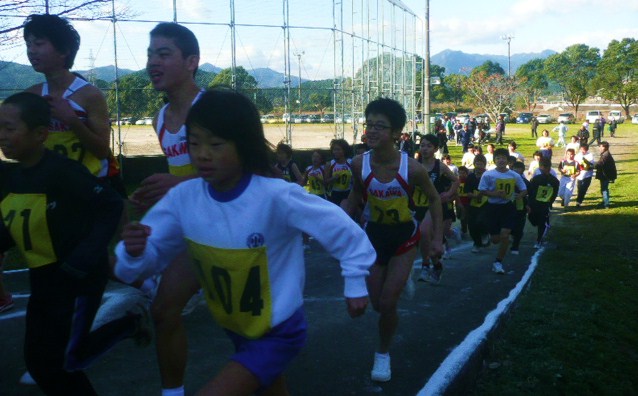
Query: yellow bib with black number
(343, 179)
(389, 211)
(67, 144)
(420, 199)
(477, 202)
(544, 193)
(237, 287)
(25, 217)
(569, 169)
(506, 185)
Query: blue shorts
(501, 216)
(267, 357)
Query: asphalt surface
(339, 353)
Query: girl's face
(337, 152)
(282, 157)
(316, 159)
(215, 159)
(42, 55)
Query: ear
(41, 133)
(192, 62)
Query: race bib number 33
(237, 287)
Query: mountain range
(15, 76)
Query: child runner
(476, 215)
(521, 211)
(339, 171)
(447, 184)
(61, 219)
(79, 127)
(586, 161)
(605, 172)
(499, 186)
(314, 176)
(569, 169)
(385, 177)
(542, 193)
(239, 243)
(286, 166)
(462, 208)
(172, 61)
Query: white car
(464, 118)
(616, 115)
(593, 115)
(544, 118)
(634, 119)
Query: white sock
(173, 391)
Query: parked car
(268, 119)
(544, 118)
(634, 119)
(144, 121)
(328, 118)
(524, 118)
(299, 119)
(313, 118)
(616, 115)
(463, 118)
(567, 118)
(593, 115)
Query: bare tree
(494, 93)
(14, 12)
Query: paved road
(339, 353)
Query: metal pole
(117, 87)
(426, 72)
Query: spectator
(605, 171)
(500, 130)
(586, 161)
(545, 143)
(534, 124)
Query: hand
(134, 236)
(61, 109)
(153, 188)
(357, 306)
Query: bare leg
(236, 380)
(177, 286)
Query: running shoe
(381, 370)
(514, 252)
(6, 303)
(425, 273)
(194, 301)
(476, 249)
(27, 379)
(435, 272)
(497, 267)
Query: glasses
(376, 127)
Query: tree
(492, 92)
(532, 81)
(489, 68)
(10, 27)
(617, 73)
(136, 96)
(244, 83)
(573, 70)
(455, 89)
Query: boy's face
(166, 66)
(479, 165)
(215, 159)
(463, 174)
(337, 152)
(42, 54)
(500, 161)
(569, 155)
(427, 149)
(282, 157)
(379, 131)
(17, 141)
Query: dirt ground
(142, 140)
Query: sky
(470, 26)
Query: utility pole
(426, 72)
(298, 55)
(508, 38)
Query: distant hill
(455, 61)
(106, 73)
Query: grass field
(575, 330)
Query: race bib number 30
(237, 287)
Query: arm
(452, 192)
(298, 176)
(153, 188)
(149, 246)
(341, 237)
(356, 193)
(95, 134)
(419, 176)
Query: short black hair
(61, 34)
(518, 165)
(544, 162)
(432, 139)
(502, 152)
(389, 108)
(183, 38)
(34, 109)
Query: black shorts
(420, 212)
(448, 211)
(538, 214)
(391, 240)
(337, 196)
(500, 216)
